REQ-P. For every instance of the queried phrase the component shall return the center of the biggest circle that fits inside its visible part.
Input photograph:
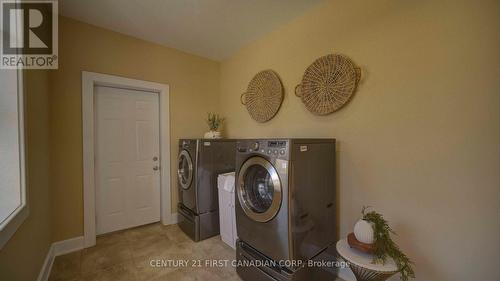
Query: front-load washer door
(259, 189)
(185, 170)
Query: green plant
(385, 247)
(214, 121)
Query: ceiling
(214, 29)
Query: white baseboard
(47, 265)
(68, 246)
(174, 219)
(57, 249)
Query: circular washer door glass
(185, 169)
(259, 189)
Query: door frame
(89, 81)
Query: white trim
(89, 81)
(68, 246)
(174, 218)
(10, 224)
(57, 249)
(11, 227)
(166, 192)
(47, 265)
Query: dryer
(200, 161)
(285, 208)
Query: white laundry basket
(227, 217)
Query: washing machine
(285, 207)
(200, 161)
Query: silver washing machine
(285, 207)
(199, 163)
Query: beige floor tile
(101, 257)
(147, 272)
(182, 274)
(122, 272)
(128, 255)
(225, 273)
(205, 274)
(215, 248)
(175, 234)
(146, 231)
(150, 246)
(112, 239)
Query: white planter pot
(363, 230)
(212, 135)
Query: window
(13, 208)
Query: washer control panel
(255, 146)
(276, 147)
(272, 148)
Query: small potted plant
(214, 122)
(374, 229)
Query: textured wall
(419, 141)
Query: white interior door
(127, 158)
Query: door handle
(156, 168)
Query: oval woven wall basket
(263, 96)
(328, 84)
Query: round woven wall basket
(264, 96)
(328, 84)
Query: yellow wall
(194, 87)
(420, 139)
(23, 255)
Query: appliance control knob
(282, 152)
(255, 146)
(269, 151)
(275, 151)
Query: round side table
(362, 266)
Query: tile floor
(126, 256)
